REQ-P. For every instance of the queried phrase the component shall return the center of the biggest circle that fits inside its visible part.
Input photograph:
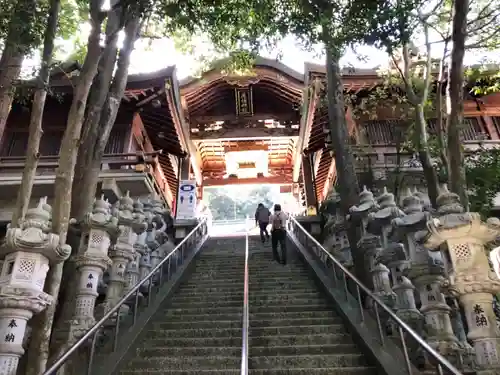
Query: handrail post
(245, 323)
(379, 304)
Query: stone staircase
(293, 329)
(198, 331)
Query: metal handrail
(115, 310)
(244, 344)
(402, 326)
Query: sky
(161, 53)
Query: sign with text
(186, 200)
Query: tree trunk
(38, 351)
(456, 110)
(419, 102)
(96, 100)
(13, 56)
(424, 155)
(83, 196)
(440, 120)
(91, 171)
(344, 158)
(108, 116)
(35, 127)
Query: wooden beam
(306, 121)
(245, 133)
(329, 178)
(183, 133)
(246, 147)
(317, 159)
(279, 180)
(234, 118)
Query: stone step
(166, 316)
(190, 351)
(274, 371)
(263, 285)
(253, 296)
(289, 308)
(253, 301)
(186, 363)
(201, 288)
(275, 351)
(217, 278)
(258, 323)
(316, 371)
(301, 340)
(284, 299)
(222, 275)
(218, 289)
(193, 333)
(181, 372)
(206, 310)
(308, 361)
(254, 341)
(198, 342)
(297, 330)
(205, 304)
(218, 324)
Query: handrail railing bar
(244, 343)
(118, 306)
(441, 360)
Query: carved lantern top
(458, 226)
(366, 203)
(34, 236)
(124, 210)
(100, 217)
(139, 224)
(448, 202)
(382, 218)
(415, 218)
(38, 217)
(157, 205)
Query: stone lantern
(335, 229)
(132, 270)
(462, 236)
(98, 227)
(121, 252)
(369, 244)
(29, 251)
(426, 272)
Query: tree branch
(407, 75)
(428, 67)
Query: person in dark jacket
(262, 220)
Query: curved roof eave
(259, 62)
(134, 81)
(312, 68)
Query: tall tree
(329, 24)
(36, 118)
(18, 42)
(456, 107)
(104, 101)
(38, 351)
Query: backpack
(263, 215)
(277, 222)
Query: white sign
(186, 200)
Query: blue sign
(187, 188)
